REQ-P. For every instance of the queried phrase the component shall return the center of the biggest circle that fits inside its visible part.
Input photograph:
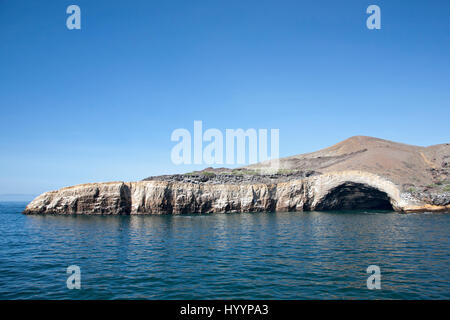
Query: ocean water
(313, 255)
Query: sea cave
(354, 196)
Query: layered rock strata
(330, 191)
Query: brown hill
(403, 164)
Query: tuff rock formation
(358, 173)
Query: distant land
(358, 173)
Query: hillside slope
(406, 165)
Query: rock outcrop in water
(358, 173)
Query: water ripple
(225, 256)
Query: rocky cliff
(358, 173)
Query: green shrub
(240, 172)
(285, 171)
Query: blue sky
(100, 103)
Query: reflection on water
(254, 255)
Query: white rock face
(94, 198)
(162, 197)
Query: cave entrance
(354, 196)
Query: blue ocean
(283, 255)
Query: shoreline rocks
(168, 197)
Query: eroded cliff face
(327, 191)
(162, 197)
(358, 173)
(94, 198)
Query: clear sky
(100, 103)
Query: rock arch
(354, 190)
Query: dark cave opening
(354, 196)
